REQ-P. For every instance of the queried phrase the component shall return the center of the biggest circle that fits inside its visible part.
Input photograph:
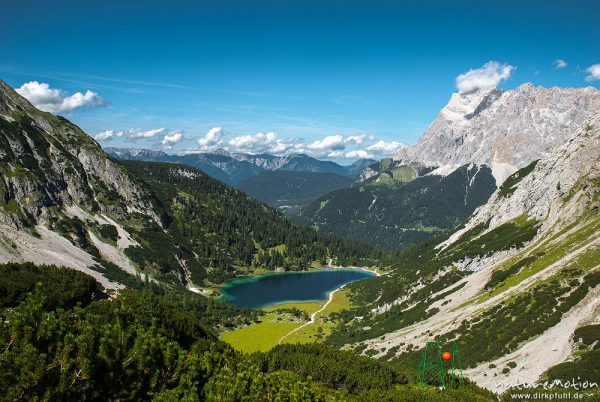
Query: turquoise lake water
(265, 290)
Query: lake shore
(242, 289)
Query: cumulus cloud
(330, 146)
(212, 139)
(55, 100)
(172, 138)
(486, 77)
(107, 135)
(358, 139)
(262, 142)
(559, 64)
(139, 133)
(329, 143)
(358, 153)
(385, 148)
(593, 73)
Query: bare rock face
(48, 163)
(573, 167)
(505, 130)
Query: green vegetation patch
(513, 233)
(63, 287)
(500, 276)
(263, 335)
(510, 184)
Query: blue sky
(331, 78)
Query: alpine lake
(288, 287)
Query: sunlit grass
(278, 322)
(261, 336)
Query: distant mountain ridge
(234, 167)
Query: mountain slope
(61, 343)
(226, 229)
(400, 207)
(289, 190)
(64, 201)
(505, 130)
(512, 286)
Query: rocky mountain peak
(503, 129)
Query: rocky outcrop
(541, 194)
(49, 163)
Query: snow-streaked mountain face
(505, 130)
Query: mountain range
(494, 214)
(234, 167)
(505, 130)
(477, 140)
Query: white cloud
(385, 148)
(107, 135)
(172, 138)
(559, 64)
(139, 133)
(358, 139)
(330, 146)
(261, 142)
(336, 154)
(329, 143)
(593, 72)
(358, 153)
(486, 77)
(212, 139)
(55, 101)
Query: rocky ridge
(505, 130)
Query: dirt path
(313, 316)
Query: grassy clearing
(279, 322)
(261, 336)
(307, 307)
(324, 324)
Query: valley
(502, 265)
(300, 201)
(291, 323)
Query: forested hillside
(226, 229)
(290, 191)
(401, 206)
(64, 201)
